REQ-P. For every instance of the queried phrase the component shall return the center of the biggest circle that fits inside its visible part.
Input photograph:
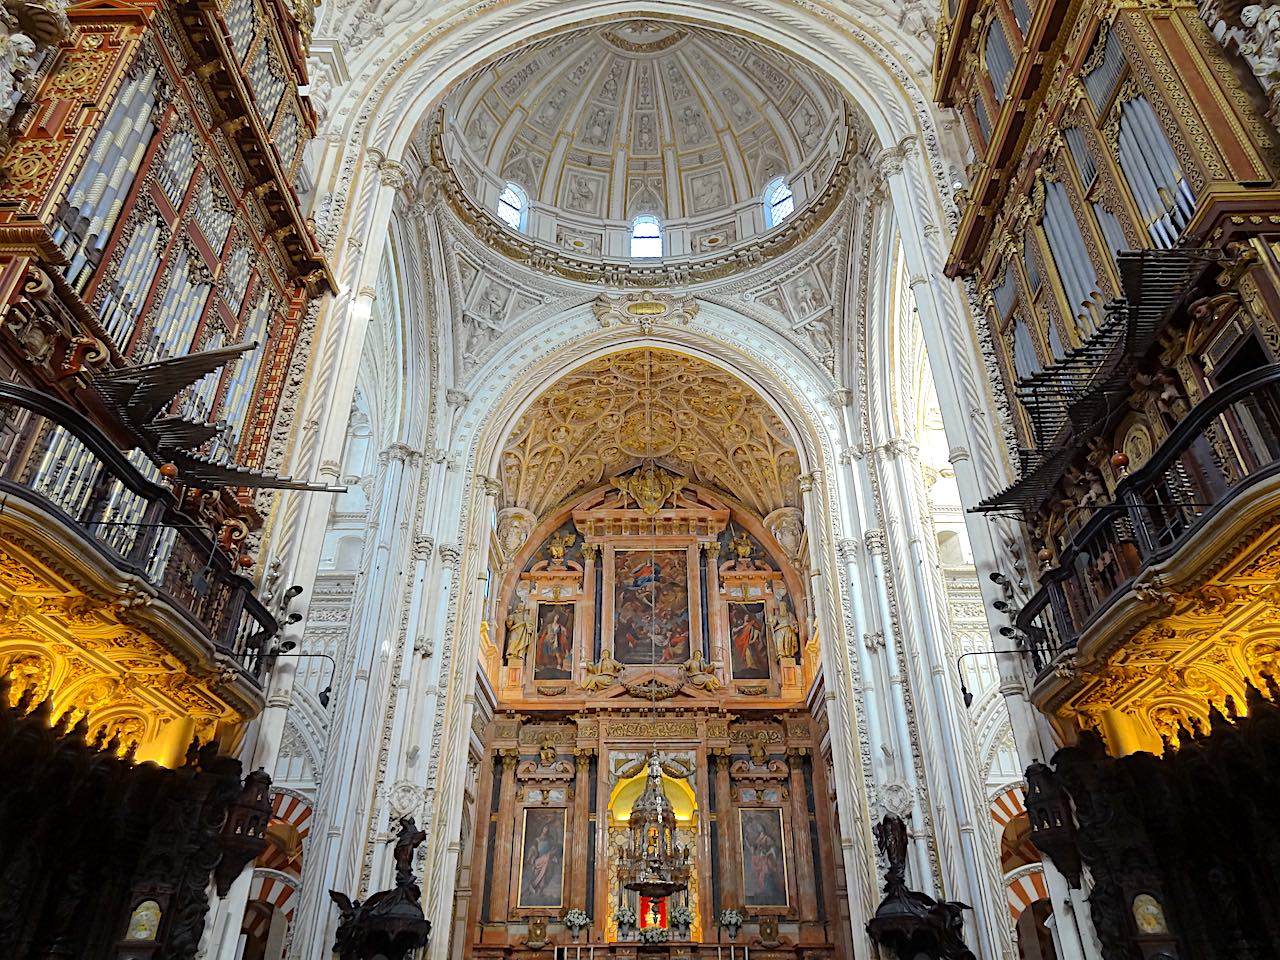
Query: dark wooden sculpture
(1183, 849)
(390, 923)
(91, 840)
(913, 925)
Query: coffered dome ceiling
(604, 418)
(637, 117)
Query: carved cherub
(758, 750)
(557, 546)
(547, 752)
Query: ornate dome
(643, 117)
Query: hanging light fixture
(653, 864)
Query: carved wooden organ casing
(147, 209)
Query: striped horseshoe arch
(270, 891)
(295, 811)
(1007, 805)
(1025, 889)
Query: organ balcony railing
(53, 458)
(1220, 452)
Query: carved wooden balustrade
(54, 459)
(1221, 452)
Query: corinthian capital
(393, 175)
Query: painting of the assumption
(764, 859)
(553, 647)
(542, 858)
(748, 645)
(651, 599)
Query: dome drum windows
(779, 202)
(646, 237)
(625, 119)
(513, 207)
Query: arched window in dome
(646, 236)
(779, 202)
(513, 207)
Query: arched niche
(627, 791)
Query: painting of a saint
(553, 648)
(748, 646)
(764, 860)
(542, 858)
(651, 599)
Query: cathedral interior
(623, 479)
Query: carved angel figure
(701, 673)
(1262, 46)
(409, 839)
(602, 674)
(16, 51)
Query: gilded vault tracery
(610, 414)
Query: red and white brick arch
(1024, 887)
(271, 891)
(1006, 805)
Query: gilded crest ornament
(557, 546)
(650, 487)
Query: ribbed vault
(612, 413)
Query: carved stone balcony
(116, 603)
(1197, 510)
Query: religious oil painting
(542, 858)
(748, 645)
(553, 648)
(651, 606)
(764, 858)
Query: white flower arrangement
(577, 919)
(681, 916)
(730, 918)
(653, 935)
(624, 917)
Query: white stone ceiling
(605, 123)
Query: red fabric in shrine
(661, 906)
